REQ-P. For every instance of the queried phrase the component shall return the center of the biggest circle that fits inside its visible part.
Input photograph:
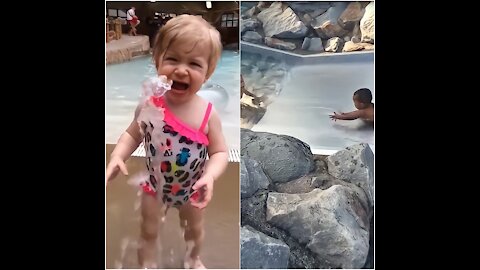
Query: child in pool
(362, 99)
(186, 51)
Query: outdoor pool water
(123, 89)
(316, 87)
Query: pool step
(233, 154)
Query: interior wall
(145, 11)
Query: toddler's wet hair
(188, 28)
(364, 95)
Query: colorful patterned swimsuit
(180, 152)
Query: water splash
(156, 86)
(163, 211)
(171, 258)
(125, 244)
(187, 259)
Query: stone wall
(317, 211)
(309, 27)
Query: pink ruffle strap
(179, 126)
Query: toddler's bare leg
(147, 251)
(191, 219)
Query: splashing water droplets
(156, 86)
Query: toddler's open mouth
(179, 85)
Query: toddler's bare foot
(193, 263)
(147, 256)
(149, 265)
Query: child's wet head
(193, 31)
(362, 98)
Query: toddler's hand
(113, 166)
(203, 192)
(333, 116)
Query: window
(165, 15)
(230, 20)
(117, 13)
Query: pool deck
(311, 58)
(126, 48)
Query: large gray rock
(356, 34)
(252, 177)
(368, 46)
(306, 19)
(253, 37)
(259, 251)
(249, 25)
(313, 44)
(327, 24)
(332, 223)
(253, 214)
(249, 12)
(279, 44)
(351, 15)
(354, 164)
(349, 46)
(250, 114)
(262, 5)
(319, 178)
(308, 7)
(306, 43)
(283, 158)
(334, 44)
(316, 45)
(367, 24)
(247, 5)
(281, 23)
(301, 185)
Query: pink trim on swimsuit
(179, 126)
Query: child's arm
(129, 140)
(217, 148)
(217, 163)
(347, 116)
(127, 143)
